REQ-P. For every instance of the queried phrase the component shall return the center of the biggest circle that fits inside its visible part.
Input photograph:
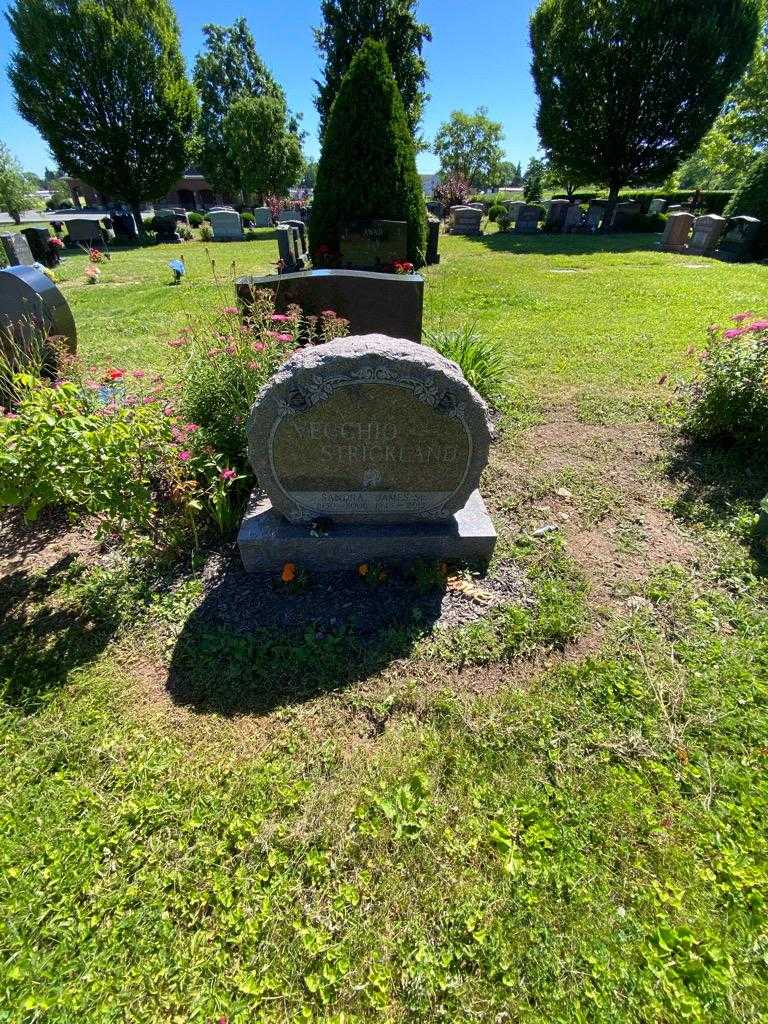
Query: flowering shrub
(401, 267)
(97, 256)
(729, 398)
(206, 233)
(92, 274)
(452, 190)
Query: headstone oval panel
(368, 429)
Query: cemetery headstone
(262, 217)
(593, 217)
(165, 226)
(465, 220)
(372, 244)
(624, 214)
(656, 206)
(676, 232)
(739, 239)
(556, 214)
(514, 208)
(286, 251)
(433, 240)
(301, 228)
(528, 218)
(17, 250)
(675, 208)
(86, 231)
(125, 227)
(573, 218)
(372, 302)
(38, 239)
(380, 440)
(28, 300)
(227, 225)
(707, 231)
(436, 208)
(285, 215)
(477, 206)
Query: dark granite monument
(528, 218)
(624, 214)
(373, 303)
(372, 244)
(740, 239)
(368, 448)
(39, 239)
(707, 231)
(433, 240)
(29, 300)
(17, 250)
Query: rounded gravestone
(29, 298)
(368, 429)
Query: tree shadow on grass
(252, 645)
(544, 244)
(42, 641)
(721, 481)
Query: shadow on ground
(719, 482)
(542, 244)
(254, 645)
(41, 642)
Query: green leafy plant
(482, 361)
(495, 212)
(206, 233)
(195, 219)
(729, 398)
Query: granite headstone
(707, 231)
(17, 250)
(372, 244)
(676, 231)
(380, 440)
(262, 217)
(30, 300)
(740, 239)
(528, 218)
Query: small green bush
(247, 218)
(495, 211)
(729, 398)
(185, 232)
(483, 362)
(504, 220)
(195, 219)
(367, 166)
(206, 233)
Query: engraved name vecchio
(371, 441)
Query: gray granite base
(267, 541)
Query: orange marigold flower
(288, 575)
(362, 570)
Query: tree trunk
(136, 211)
(16, 216)
(613, 198)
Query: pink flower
(230, 311)
(213, 352)
(280, 317)
(758, 325)
(168, 410)
(11, 416)
(227, 474)
(738, 317)
(285, 337)
(177, 342)
(258, 346)
(138, 374)
(734, 332)
(328, 312)
(92, 385)
(191, 427)
(148, 400)
(230, 350)
(131, 400)
(272, 334)
(185, 456)
(253, 366)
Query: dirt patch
(605, 490)
(37, 546)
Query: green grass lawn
(554, 814)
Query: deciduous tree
(16, 188)
(226, 70)
(347, 24)
(628, 88)
(470, 145)
(268, 154)
(105, 85)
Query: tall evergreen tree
(227, 69)
(104, 83)
(368, 164)
(628, 88)
(347, 24)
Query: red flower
(114, 374)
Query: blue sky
(479, 56)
